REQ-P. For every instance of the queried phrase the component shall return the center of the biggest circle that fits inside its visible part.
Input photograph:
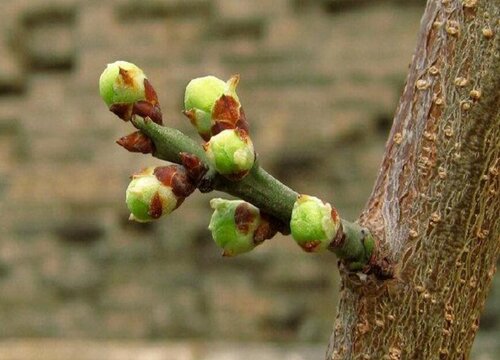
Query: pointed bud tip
(137, 142)
(233, 82)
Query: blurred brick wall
(320, 82)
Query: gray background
(320, 82)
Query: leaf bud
(314, 223)
(232, 153)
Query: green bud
(313, 224)
(148, 198)
(202, 121)
(202, 93)
(200, 99)
(231, 152)
(122, 82)
(233, 226)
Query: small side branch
(227, 162)
(351, 242)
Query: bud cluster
(212, 105)
(157, 191)
(214, 109)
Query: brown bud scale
(146, 109)
(156, 207)
(123, 111)
(181, 184)
(137, 142)
(243, 218)
(151, 96)
(267, 228)
(194, 166)
(165, 173)
(175, 176)
(242, 121)
(228, 114)
(220, 126)
(226, 109)
(244, 135)
(127, 79)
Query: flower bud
(234, 225)
(202, 93)
(314, 224)
(155, 192)
(212, 105)
(122, 83)
(231, 152)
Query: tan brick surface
(320, 82)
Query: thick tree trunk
(435, 207)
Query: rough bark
(435, 207)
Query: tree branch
(352, 243)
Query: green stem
(355, 247)
(353, 244)
(169, 142)
(262, 190)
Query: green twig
(263, 191)
(353, 243)
(169, 142)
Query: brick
(48, 35)
(72, 273)
(70, 183)
(240, 10)
(72, 265)
(53, 349)
(12, 76)
(134, 10)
